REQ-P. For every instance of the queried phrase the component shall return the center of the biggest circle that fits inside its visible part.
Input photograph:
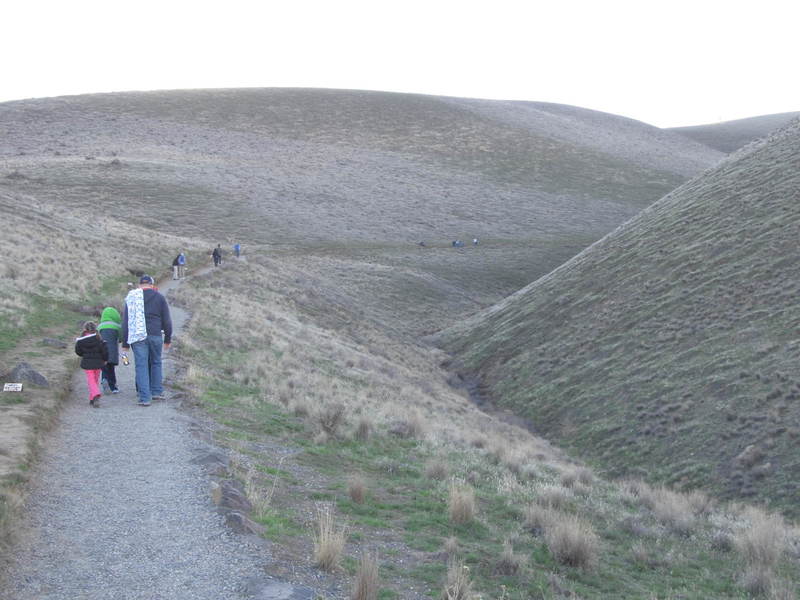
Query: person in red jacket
(94, 354)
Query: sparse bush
(763, 542)
(330, 418)
(758, 581)
(538, 518)
(300, 409)
(328, 540)
(451, 545)
(722, 541)
(436, 469)
(458, 586)
(357, 489)
(363, 429)
(508, 563)
(461, 503)
(367, 583)
(572, 542)
(553, 496)
(673, 510)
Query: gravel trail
(118, 511)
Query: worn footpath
(120, 509)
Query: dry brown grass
(538, 518)
(357, 488)
(436, 469)
(509, 563)
(461, 505)
(572, 542)
(330, 418)
(459, 584)
(451, 545)
(329, 540)
(554, 496)
(762, 542)
(366, 584)
(363, 429)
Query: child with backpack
(94, 354)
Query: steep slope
(732, 135)
(669, 349)
(359, 175)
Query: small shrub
(572, 542)
(673, 510)
(553, 496)
(451, 545)
(363, 429)
(461, 503)
(538, 518)
(300, 409)
(458, 586)
(330, 418)
(437, 470)
(508, 563)
(357, 489)
(367, 583)
(722, 541)
(328, 540)
(763, 542)
(758, 581)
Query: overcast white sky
(667, 63)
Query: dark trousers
(110, 375)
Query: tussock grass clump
(538, 518)
(579, 476)
(572, 542)
(458, 585)
(763, 541)
(674, 510)
(461, 504)
(436, 469)
(363, 429)
(367, 582)
(357, 489)
(554, 496)
(451, 545)
(328, 540)
(508, 562)
(758, 581)
(330, 418)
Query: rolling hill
(729, 136)
(669, 348)
(364, 176)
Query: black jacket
(92, 350)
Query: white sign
(12, 387)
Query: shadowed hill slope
(359, 175)
(729, 136)
(669, 349)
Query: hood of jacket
(110, 319)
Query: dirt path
(118, 510)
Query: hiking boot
(95, 402)
(144, 402)
(115, 390)
(159, 398)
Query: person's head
(145, 281)
(89, 327)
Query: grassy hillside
(362, 175)
(669, 349)
(729, 136)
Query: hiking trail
(119, 510)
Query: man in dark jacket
(146, 316)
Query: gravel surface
(118, 511)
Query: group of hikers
(145, 317)
(179, 262)
(145, 327)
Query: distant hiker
(422, 244)
(237, 248)
(217, 255)
(176, 268)
(458, 244)
(146, 316)
(181, 265)
(474, 241)
(94, 354)
(110, 328)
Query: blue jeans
(147, 355)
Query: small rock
(260, 589)
(241, 523)
(215, 462)
(24, 373)
(54, 342)
(229, 494)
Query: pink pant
(93, 381)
